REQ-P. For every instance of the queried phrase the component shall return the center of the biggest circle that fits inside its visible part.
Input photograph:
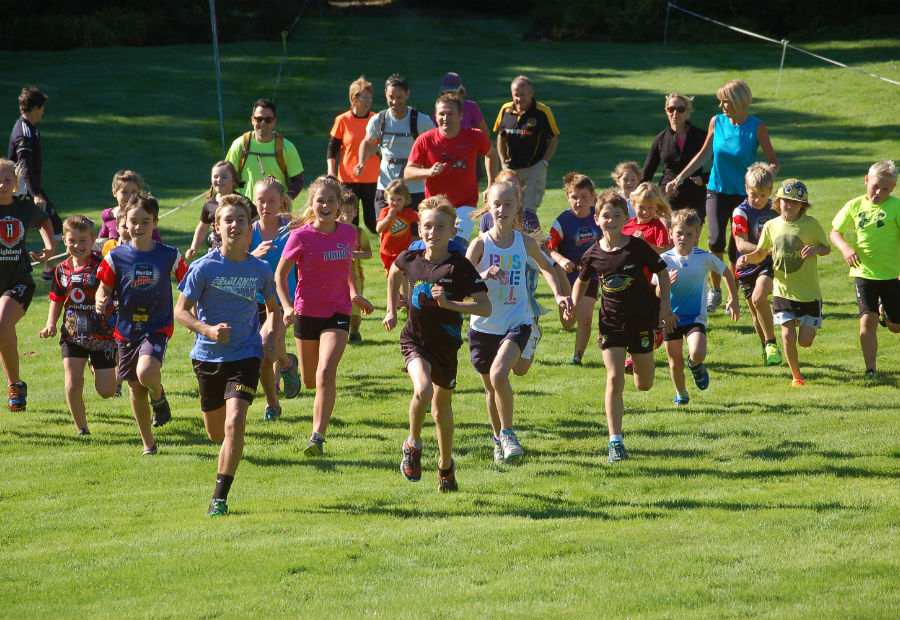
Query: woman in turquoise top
(732, 141)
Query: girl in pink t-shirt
(651, 212)
(322, 249)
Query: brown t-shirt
(628, 302)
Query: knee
(106, 391)
(643, 383)
(424, 393)
(309, 383)
(676, 363)
(216, 436)
(324, 379)
(894, 327)
(499, 377)
(615, 384)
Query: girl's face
(8, 184)
(78, 243)
(232, 225)
(436, 228)
(611, 219)
(581, 199)
(395, 201)
(504, 204)
(125, 191)
(349, 212)
(140, 224)
(645, 211)
(222, 181)
(268, 201)
(326, 205)
(790, 209)
(627, 181)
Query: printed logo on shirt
(11, 231)
(864, 220)
(421, 295)
(786, 254)
(585, 234)
(616, 283)
(342, 253)
(398, 226)
(512, 278)
(241, 286)
(144, 276)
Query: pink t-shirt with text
(323, 262)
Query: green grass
(756, 501)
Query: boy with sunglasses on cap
(795, 240)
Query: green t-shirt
(261, 162)
(795, 278)
(874, 232)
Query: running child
(630, 311)
(626, 176)
(496, 341)
(326, 289)
(268, 236)
(530, 222)
(123, 236)
(755, 281)
(441, 281)
(18, 214)
(84, 334)
(222, 285)
(688, 268)
(795, 239)
(652, 210)
(125, 184)
(361, 251)
(224, 179)
(867, 232)
(572, 234)
(396, 226)
(139, 275)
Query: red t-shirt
(458, 180)
(398, 237)
(654, 231)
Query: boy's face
(140, 224)
(122, 228)
(8, 184)
(436, 228)
(684, 238)
(581, 199)
(758, 197)
(78, 243)
(124, 193)
(611, 219)
(879, 188)
(232, 225)
(791, 209)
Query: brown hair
(440, 203)
(612, 198)
(231, 169)
(398, 187)
(576, 180)
(31, 98)
(127, 176)
(327, 183)
(624, 167)
(80, 223)
(687, 217)
(145, 201)
(238, 201)
(449, 99)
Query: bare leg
(868, 339)
(11, 312)
(675, 353)
(74, 372)
(614, 360)
(585, 319)
(442, 412)
(789, 338)
(423, 391)
(644, 369)
(762, 309)
(331, 347)
(507, 356)
(141, 408)
(233, 443)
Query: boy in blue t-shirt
(688, 267)
(748, 220)
(228, 347)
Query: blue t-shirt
(749, 221)
(274, 255)
(688, 293)
(225, 292)
(734, 149)
(572, 236)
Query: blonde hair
(612, 198)
(737, 92)
(359, 85)
(330, 184)
(270, 182)
(234, 176)
(438, 203)
(7, 163)
(759, 176)
(78, 223)
(237, 201)
(398, 187)
(650, 192)
(127, 176)
(883, 170)
(688, 101)
(576, 180)
(504, 186)
(687, 217)
(624, 167)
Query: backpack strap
(279, 156)
(414, 123)
(245, 150)
(382, 120)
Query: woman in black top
(675, 146)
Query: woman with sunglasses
(675, 146)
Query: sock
(223, 485)
(506, 431)
(416, 445)
(771, 341)
(496, 439)
(162, 397)
(614, 438)
(682, 394)
(691, 363)
(446, 472)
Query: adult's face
(362, 102)
(396, 99)
(677, 113)
(448, 119)
(522, 96)
(263, 120)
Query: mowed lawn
(757, 500)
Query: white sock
(613, 438)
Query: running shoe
(162, 413)
(149, 451)
(448, 479)
(272, 413)
(291, 378)
(629, 365)
(411, 465)
(18, 396)
(700, 374)
(772, 356)
(314, 447)
(83, 431)
(576, 360)
(713, 299)
(498, 452)
(617, 452)
(512, 451)
(797, 383)
(47, 275)
(681, 400)
(118, 393)
(871, 375)
(217, 508)
(355, 338)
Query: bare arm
(697, 162)
(385, 223)
(365, 306)
(217, 333)
(551, 149)
(846, 250)
(480, 304)
(415, 172)
(534, 251)
(501, 147)
(395, 279)
(762, 136)
(492, 159)
(56, 308)
(367, 149)
(733, 307)
(666, 316)
(742, 243)
(281, 286)
(46, 231)
(200, 232)
(365, 248)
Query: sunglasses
(264, 119)
(679, 109)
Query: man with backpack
(263, 151)
(392, 133)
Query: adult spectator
(25, 151)
(526, 140)
(445, 158)
(348, 131)
(472, 118)
(392, 133)
(674, 147)
(733, 139)
(263, 152)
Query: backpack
(413, 124)
(279, 154)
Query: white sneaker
(512, 451)
(533, 340)
(713, 299)
(498, 452)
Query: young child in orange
(362, 251)
(398, 227)
(651, 209)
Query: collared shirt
(527, 135)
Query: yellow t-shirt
(795, 278)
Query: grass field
(755, 501)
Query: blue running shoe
(701, 376)
(681, 400)
(617, 452)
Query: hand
(100, 305)
(41, 256)
(48, 332)
(733, 308)
(190, 253)
(358, 169)
(668, 320)
(672, 187)
(807, 251)
(494, 272)
(364, 305)
(698, 180)
(41, 202)
(741, 262)
(565, 303)
(673, 275)
(567, 265)
(851, 256)
(289, 315)
(436, 169)
(262, 249)
(389, 321)
(439, 295)
(220, 333)
(638, 234)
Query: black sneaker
(47, 276)
(83, 431)
(448, 479)
(161, 411)
(411, 465)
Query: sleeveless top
(509, 296)
(734, 149)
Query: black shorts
(220, 381)
(153, 344)
(681, 331)
(100, 360)
(748, 283)
(414, 199)
(868, 293)
(804, 312)
(443, 363)
(642, 342)
(22, 292)
(483, 347)
(311, 327)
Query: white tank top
(509, 296)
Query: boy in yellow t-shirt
(867, 232)
(795, 239)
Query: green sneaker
(291, 378)
(871, 375)
(314, 447)
(272, 413)
(217, 508)
(773, 357)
